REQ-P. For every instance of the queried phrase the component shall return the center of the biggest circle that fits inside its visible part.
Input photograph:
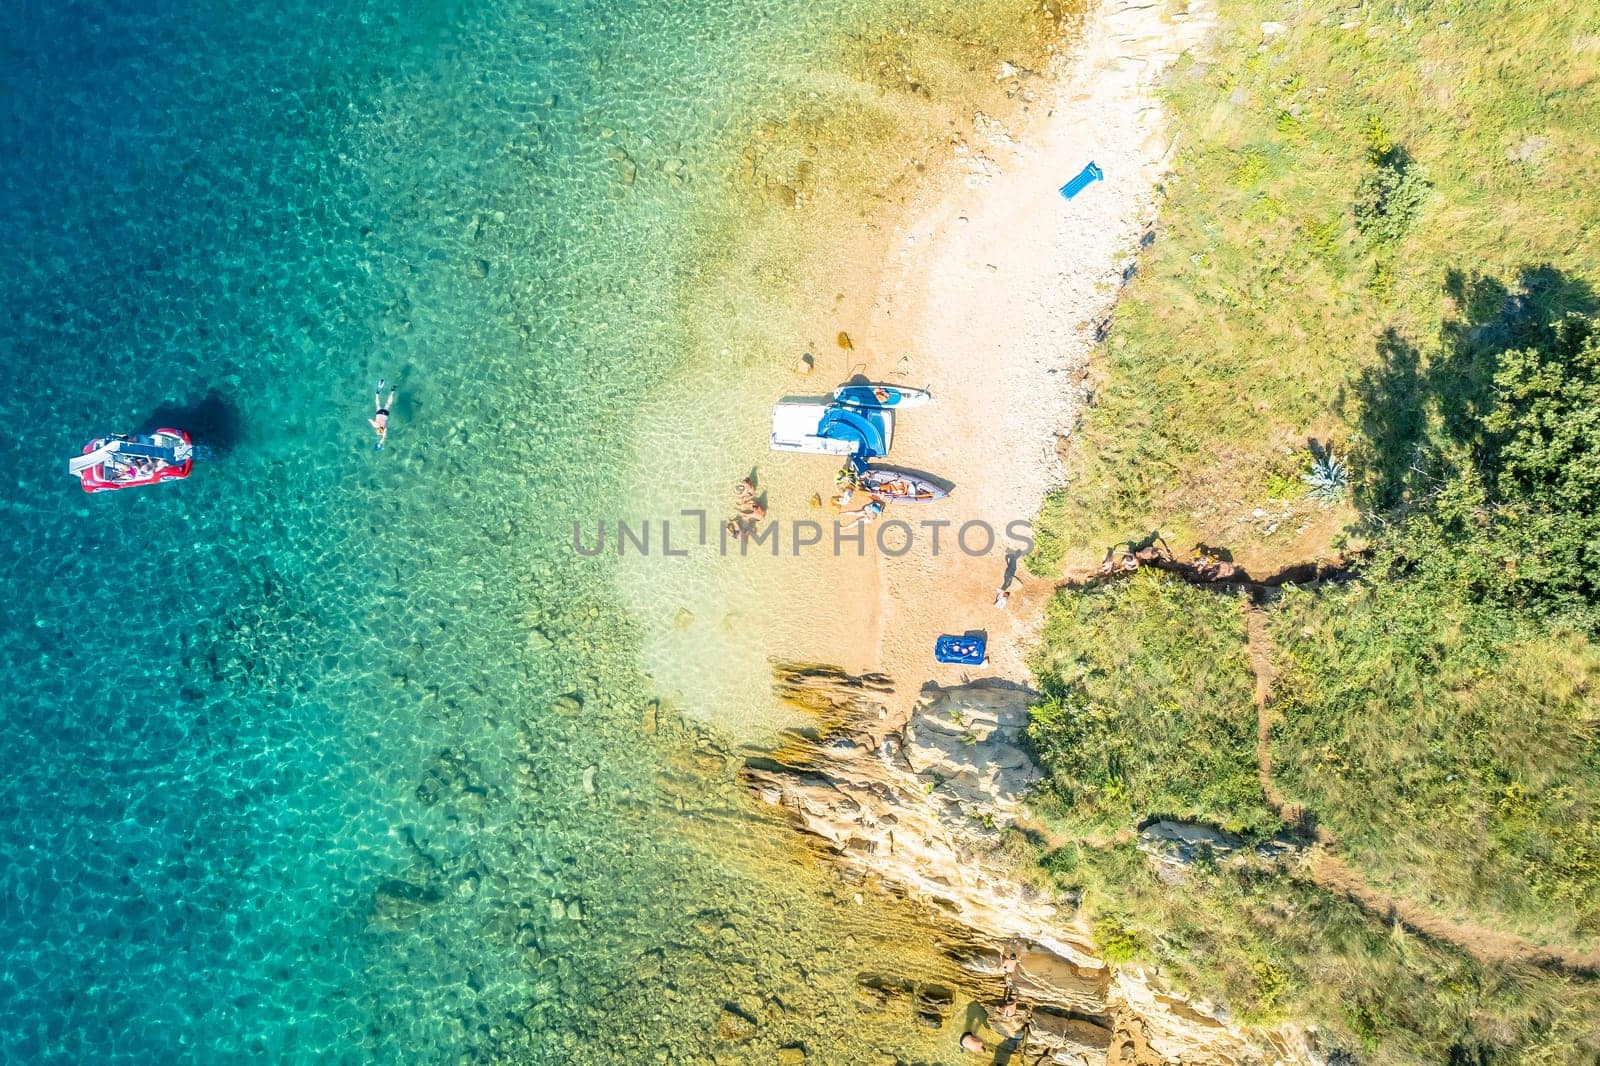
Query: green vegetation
(1452, 750)
(1328, 477)
(1428, 142)
(1274, 949)
(1458, 762)
(1147, 708)
(1379, 243)
(1391, 195)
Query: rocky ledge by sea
(919, 810)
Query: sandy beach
(983, 285)
(993, 293)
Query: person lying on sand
(753, 510)
(869, 513)
(744, 489)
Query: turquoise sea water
(330, 754)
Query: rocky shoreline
(919, 810)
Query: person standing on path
(1002, 595)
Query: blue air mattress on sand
(1086, 177)
(966, 650)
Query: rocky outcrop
(921, 809)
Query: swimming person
(380, 419)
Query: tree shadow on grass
(1392, 395)
(1414, 411)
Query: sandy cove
(986, 286)
(983, 285)
(990, 297)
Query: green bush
(1146, 707)
(1543, 461)
(1390, 197)
(1117, 942)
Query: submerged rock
(451, 775)
(650, 965)
(733, 1027)
(396, 899)
(883, 992)
(934, 1004)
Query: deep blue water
(179, 248)
(221, 697)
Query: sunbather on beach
(866, 514)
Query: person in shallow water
(380, 419)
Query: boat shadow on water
(214, 422)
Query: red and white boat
(133, 459)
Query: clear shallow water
(289, 774)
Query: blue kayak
(895, 396)
(969, 651)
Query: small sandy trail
(1328, 871)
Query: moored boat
(132, 460)
(900, 486)
(831, 429)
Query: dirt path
(1325, 868)
(1330, 872)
